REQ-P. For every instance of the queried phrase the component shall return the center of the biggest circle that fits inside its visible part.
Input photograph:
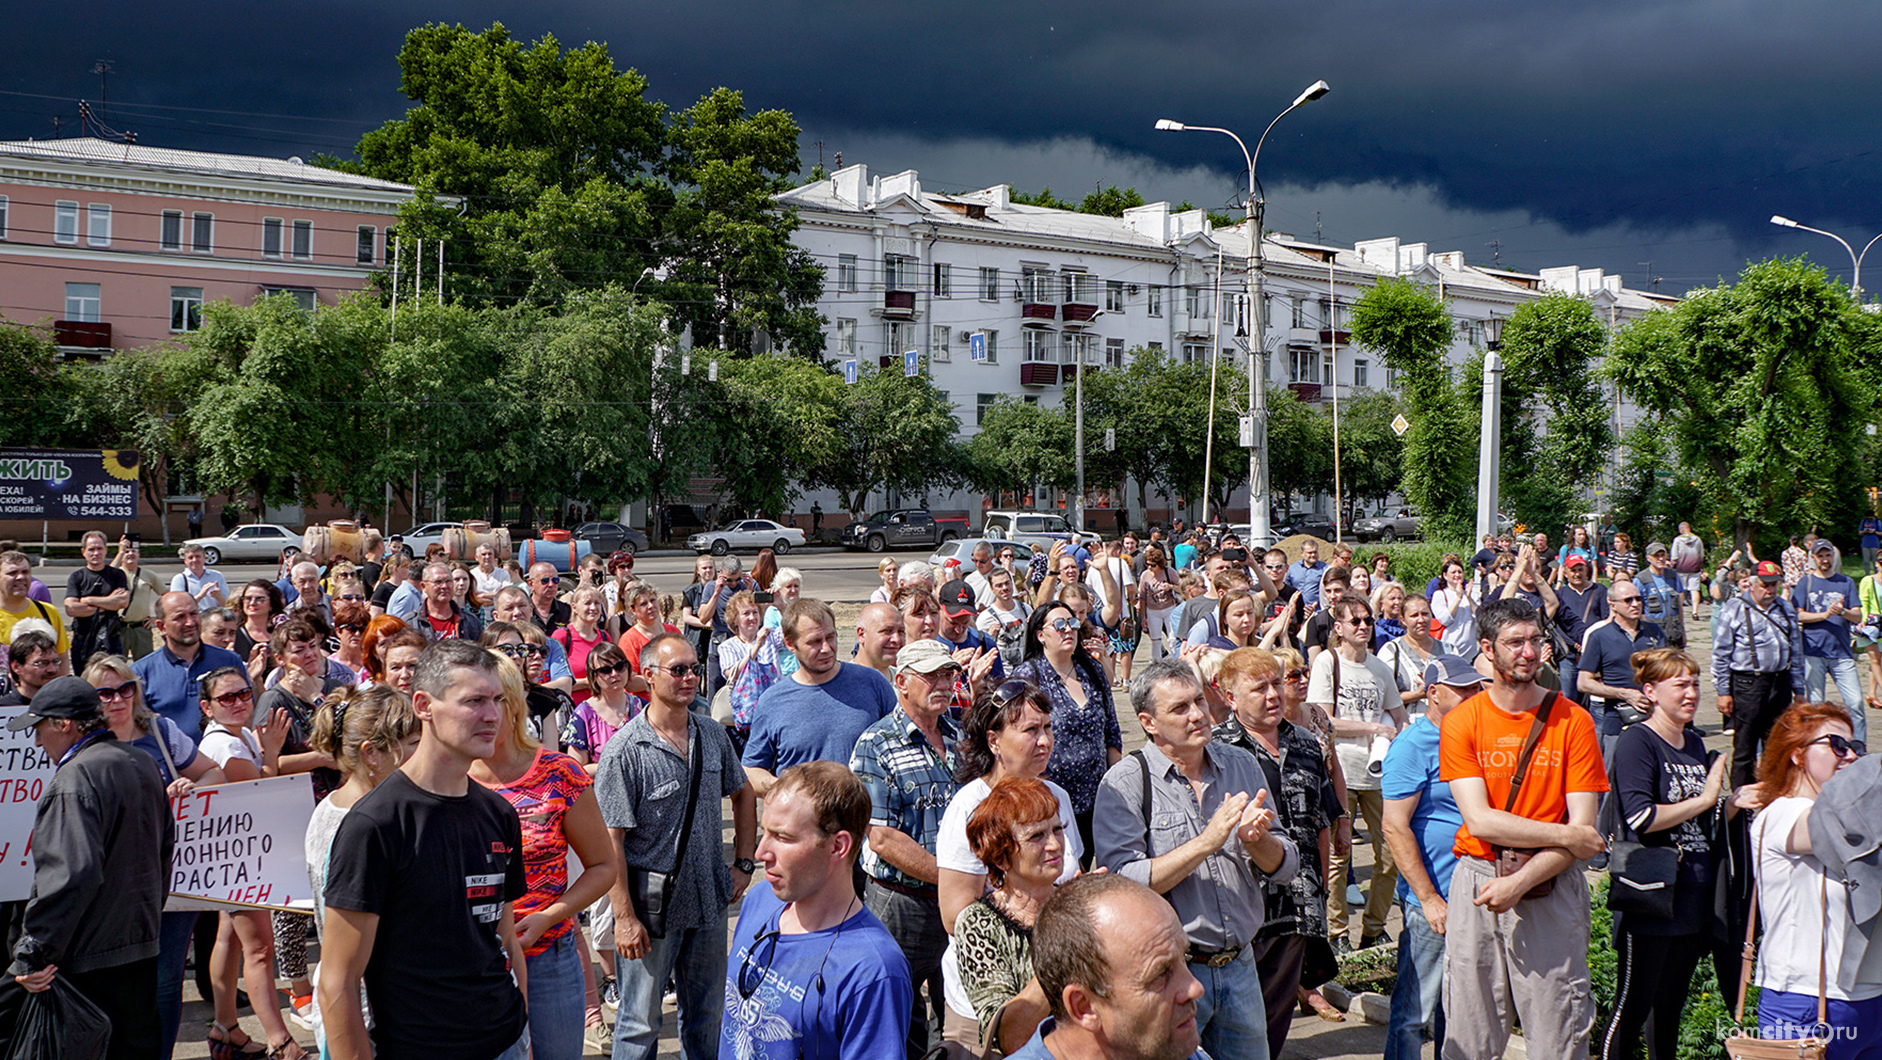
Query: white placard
(25, 772)
(243, 845)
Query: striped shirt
(1758, 640)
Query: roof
(91, 151)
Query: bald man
(169, 674)
(880, 635)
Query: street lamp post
(1258, 524)
(1855, 259)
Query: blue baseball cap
(1453, 670)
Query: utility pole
(102, 68)
(1496, 252)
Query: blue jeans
(557, 999)
(174, 940)
(696, 959)
(1417, 999)
(1848, 687)
(1231, 1013)
(519, 1051)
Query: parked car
(903, 528)
(747, 534)
(1038, 529)
(251, 542)
(963, 551)
(1312, 524)
(605, 538)
(1389, 526)
(420, 538)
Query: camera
(761, 597)
(1235, 556)
(594, 577)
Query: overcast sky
(1600, 133)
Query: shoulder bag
(1641, 878)
(1739, 1046)
(652, 892)
(1511, 859)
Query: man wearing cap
(1757, 664)
(1606, 673)
(906, 761)
(1421, 823)
(1581, 603)
(1826, 599)
(1662, 600)
(959, 611)
(101, 840)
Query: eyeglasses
(608, 671)
(1623, 599)
(1064, 625)
(351, 627)
(230, 699)
(125, 691)
(1014, 689)
(352, 596)
(1297, 675)
(1275, 566)
(683, 671)
(751, 976)
(1843, 747)
(521, 651)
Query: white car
(962, 551)
(251, 542)
(747, 534)
(420, 538)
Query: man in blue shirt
(1664, 599)
(1421, 823)
(169, 674)
(1826, 599)
(817, 713)
(1606, 673)
(1305, 574)
(1143, 1002)
(1871, 531)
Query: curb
(1376, 1008)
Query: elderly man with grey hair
(1211, 848)
(305, 577)
(916, 572)
(209, 587)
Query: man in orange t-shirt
(1509, 957)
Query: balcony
(1080, 312)
(1339, 335)
(1038, 373)
(1030, 311)
(81, 334)
(1308, 392)
(1070, 371)
(898, 305)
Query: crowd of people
(938, 840)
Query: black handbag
(652, 892)
(1641, 879)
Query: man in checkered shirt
(906, 761)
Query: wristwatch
(745, 865)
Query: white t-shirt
(1367, 692)
(488, 584)
(1791, 899)
(1407, 664)
(952, 851)
(1120, 569)
(221, 745)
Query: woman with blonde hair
(588, 607)
(553, 795)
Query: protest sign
(25, 771)
(242, 845)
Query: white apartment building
(1051, 290)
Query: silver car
(747, 534)
(963, 552)
(251, 542)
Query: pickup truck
(1034, 529)
(903, 528)
(1387, 527)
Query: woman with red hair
(1806, 913)
(372, 644)
(1018, 833)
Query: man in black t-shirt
(437, 966)
(95, 598)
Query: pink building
(116, 246)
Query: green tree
(1556, 432)
(1370, 450)
(1767, 386)
(39, 393)
(1411, 329)
(1150, 403)
(1300, 448)
(779, 422)
(1020, 446)
(898, 435)
(1110, 202)
(1042, 197)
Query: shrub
(1707, 1010)
(1414, 563)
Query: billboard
(84, 484)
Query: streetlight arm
(1786, 222)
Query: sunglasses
(1843, 747)
(1064, 625)
(1297, 675)
(684, 670)
(230, 699)
(608, 671)
(127, 691)
(352, 596)
(1013, 690)
(352, 627)
(521, 651)
(547, 581)
(750, 975)
(1360, 621)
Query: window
(938, 349)
(1303, 365)
(983, 402)
(902, 338)
(898, 273)
(845, 337)
(203, 233)
(82, 302)
(1326, 369)
(186, 308)
(1114, 296)
(1039, 347)
(1155, 347)
(943, 280)
(1195, 353)
(989, 285)
(3, 216)
(1359, 372)
(1473, 332)
(1078, 287)
(172, 230)
(1078, 349)
(1194, 303)
(846, 272)
(65, 222)
(1299, 309)
(303, 239)
(303, 297)
(1391, 378)
(270, 237)
(1114, 353)
(1153, 301)
(98, 224)
(368, 245)
(993, 346)
(1036, 286)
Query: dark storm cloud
(1656, 116)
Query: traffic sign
(1400, 425)
(849, 372)
(977, 347)
(911, 364)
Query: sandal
(227, 1048)
(281, 1051)
(1329, 1013)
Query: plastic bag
(59, 1023)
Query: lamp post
(1855, 259)
(1490, 444)
(1259, 530)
